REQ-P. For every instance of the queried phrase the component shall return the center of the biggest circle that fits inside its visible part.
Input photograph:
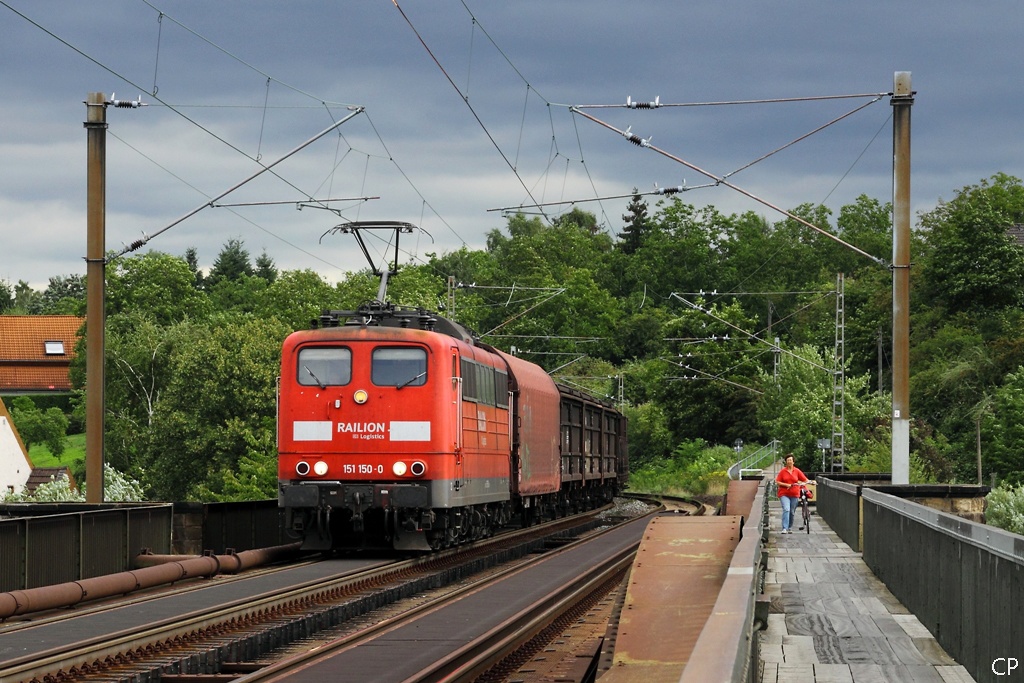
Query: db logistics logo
(1004, 666)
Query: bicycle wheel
(807, 516)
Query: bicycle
(805, 508)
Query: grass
(41, 456)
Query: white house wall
(14, 466)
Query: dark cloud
(421, 148)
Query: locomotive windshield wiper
(410, 380)
(321, 384)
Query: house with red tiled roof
(36, 352)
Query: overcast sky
(468, 110)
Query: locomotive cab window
(399, 367)
(323, 367)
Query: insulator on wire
(126, 104)
(643, 105)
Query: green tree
(242, 294)
(117, 488)
(65, 295)
(711, 387)
(192, 259)
(296, 298)
(232, 263)
(1003, 431)
(635, 224)
(138, 353)
(219, 401)
(973, 264)
(649, 437)
(27, 301)
(681, 251)
(867, 225)
(417, 286)
(156, 282)
(6, 296)
(49, 427)
(1005, 508)
(265, 268)
(796, 407)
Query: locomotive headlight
(399, 469)
(302, 468)
(360, 396)
(320, 468)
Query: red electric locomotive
(397, 428)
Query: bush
(1006, 508)
(695, 469)
(117, 488)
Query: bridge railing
(838, 503)
(964, 580)
(66, 542)
(759, 459)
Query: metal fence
(759, 459)
(963, 580)
(839, 505)
(42, 545)
(243, 525)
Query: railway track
(468, 633)
(679, 504)
(223, 627)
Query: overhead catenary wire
(658, 104)
(529, 87)
(465, 100)
(237, 214)
(683, 188)
(753, 336)
(640, 142)
(138, 244)
(656, 191)
(177, 109)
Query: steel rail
(97, 648)
(471, 655)
(488, 649)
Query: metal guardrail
(962, 579)
(235, 526)
(839, 505)
(53, 543)
(50, 544)
(763, 456)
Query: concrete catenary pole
(96, 211)
(902, 101)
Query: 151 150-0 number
(362, 469)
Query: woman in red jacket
(789, 480)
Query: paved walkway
(832, 620)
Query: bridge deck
(832, 620)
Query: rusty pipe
(230, 562)
(74, 592)
(151, 570)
